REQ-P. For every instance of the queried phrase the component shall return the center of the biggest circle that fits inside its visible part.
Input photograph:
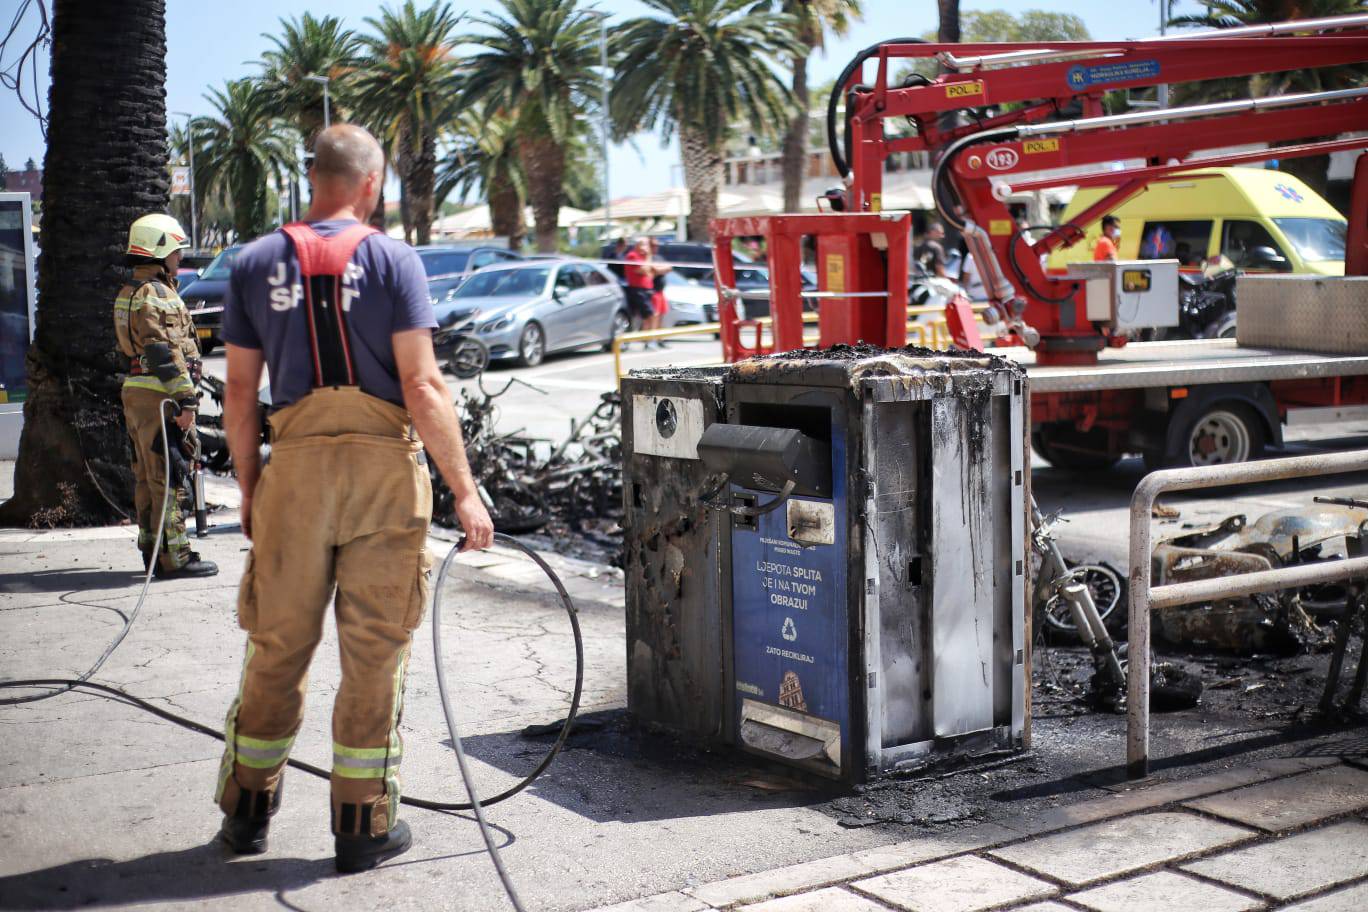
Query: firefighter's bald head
(348, 152)
(348, 169)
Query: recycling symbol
(790, 631)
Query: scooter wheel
(469, 359)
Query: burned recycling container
(852, 525)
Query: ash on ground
(1252, 707)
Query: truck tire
(1220, 433)
(1066, 448)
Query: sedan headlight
(496, 325)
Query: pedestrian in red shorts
(659, 304)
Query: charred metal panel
(671, 561)
(962, 544)
(898, 634)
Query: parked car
(448, 266)
(204, 298)
(691, 300)
(531, 309)
(192, 264)
(755, 279)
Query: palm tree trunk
(105, 166)
(377, 219)
(1314, 170)
(949, 31)
(703, 177)
(422, 185)
(543, 161)
(506, 212)
(796, 139)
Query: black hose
(167, 492)
(104, 689)
(834, 143)
(1021, 274)
(941, 190)
(451, 716)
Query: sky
(210, 43)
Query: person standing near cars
(659, 305)
(155, 332)
(340, 315)
(930, 253)
(640, 284)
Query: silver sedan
(531, 309)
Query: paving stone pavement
(1102, 850)
(1288, 803)
(1288, 835)
(1164, 890)
(1295, 866)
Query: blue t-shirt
(264, 309)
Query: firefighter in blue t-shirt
(340, 316)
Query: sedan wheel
(531, 345)
(621, 324)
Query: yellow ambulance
(1257, 219)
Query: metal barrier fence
(1143, 598)
(933, 334)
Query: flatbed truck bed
(1185, 403)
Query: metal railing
(1143, 598)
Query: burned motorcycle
(459, 350)
(1206, 306)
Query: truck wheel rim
(1220, 438)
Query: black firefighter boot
(244, 830)
(362, 852)
(196, 566)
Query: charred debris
(567, 491)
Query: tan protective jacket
(149, 310)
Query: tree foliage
(1233, 13)
(310, 46)
(697, 68)
(239, 150)
(1001, 25)
(407, 88)
(536, 65)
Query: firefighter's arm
(242, 422)
(150, 325)
(429, 404)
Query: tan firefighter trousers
(343, 505)
(143, 416)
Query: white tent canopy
(476, 223)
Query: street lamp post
(1165, 13)
(603, 79)
(190, 145)
(327, 115)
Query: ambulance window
(1248, 245)
(1181, 240)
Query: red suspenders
(323, 262)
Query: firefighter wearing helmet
(156, 334)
